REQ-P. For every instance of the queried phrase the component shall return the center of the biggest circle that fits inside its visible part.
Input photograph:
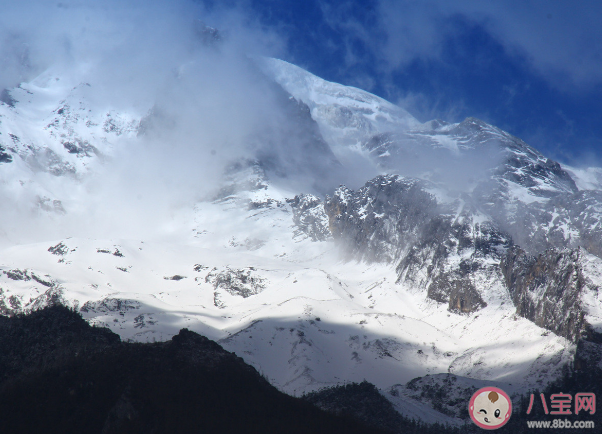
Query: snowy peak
(346, 115)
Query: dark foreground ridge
(60, 375)
(364, 402)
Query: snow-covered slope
(53, 127)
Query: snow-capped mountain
(465, 252)
(345, 114)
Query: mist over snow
(200, 100)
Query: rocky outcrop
(547, 288)
(80, 147)
(110, 305)
(242, 282)
(448, 256)
(9, 304)
(459, 292)
(309, 217)
(5, 157)
(376, 222)
(565, 221)
(439, 249)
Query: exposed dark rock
(47, 283)
(269, 203)
(27, 275)
(565, 221)
(242, 282)
(309, 217)
(393, 218)
(60, 249)
(79, 147)
(144, 320)
(7, 98)
(546, 289)
(379, 220)
(460, 293)
(17, 274)
(5, 157)
(53, 296)
(9, 306)
(110, 305)
(427, 263)
(174, 277)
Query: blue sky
(532, 68)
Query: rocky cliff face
(547, 289)
(394, 219)
(380, 220)
(565, 221)
(309, 217)
(447, 258)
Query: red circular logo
(490, 408)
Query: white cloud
(562, 42)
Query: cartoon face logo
(490, 408)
